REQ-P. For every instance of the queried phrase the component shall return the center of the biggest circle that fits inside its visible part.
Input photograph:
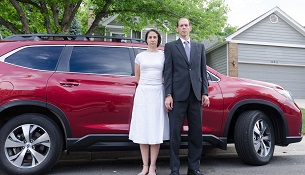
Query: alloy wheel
(27, 146)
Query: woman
(149, 123)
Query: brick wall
(233, 59)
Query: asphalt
(300, 103)
(292, 149)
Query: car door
(94, 88)
(212, 116)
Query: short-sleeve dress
(149, 122)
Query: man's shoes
(194, 172)
(174, 173)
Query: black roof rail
(39, 37)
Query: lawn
(303, 126)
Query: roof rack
(39, 37)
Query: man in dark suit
(186, 89)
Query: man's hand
(169, 104)
(205, 100)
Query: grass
(303, 114)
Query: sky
(244, 11)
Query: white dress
(149, 122)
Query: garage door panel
(291, 78)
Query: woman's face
(152, 39)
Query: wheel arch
(15, 108)
(273, 112)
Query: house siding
(116, 23)
(265, 31)
(218, 59)
(171, 37)
(164, 40)
(115, 30)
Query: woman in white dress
(149, 125)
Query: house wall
(217, 59)
(273, 52)
(117, 27)
(266, 31)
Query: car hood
(262, 83)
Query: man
(186, 89)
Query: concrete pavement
(300, 102)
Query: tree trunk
(72, 16)
(55, 14)
(98, 17)
(9, 26)
(45, 13)
(24, 21)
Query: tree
(75, 27)
(208, 17)
(38, 16)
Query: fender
(255, 101)
(55, 110)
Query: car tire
(254, 138)
(29, 144)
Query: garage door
(291, 78)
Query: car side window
(38, 57)
(212, 77)
(100, 60)
(209, 76)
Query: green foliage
(5, 32)
(83, 16)
(228, 30)
(208, 17)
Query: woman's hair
(159, 36)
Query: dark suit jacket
(180, 75)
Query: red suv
(71, 93)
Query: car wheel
(254, 138)
(29, 144)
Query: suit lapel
(181, 50)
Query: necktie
(187, 50)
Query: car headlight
(285, 93)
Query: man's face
(184, 28)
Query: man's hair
(159, 36)
(183, 18)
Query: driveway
(286, 160)
(300, 103)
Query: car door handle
(69, 84)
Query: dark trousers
(192, 109)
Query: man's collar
(182, 40)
